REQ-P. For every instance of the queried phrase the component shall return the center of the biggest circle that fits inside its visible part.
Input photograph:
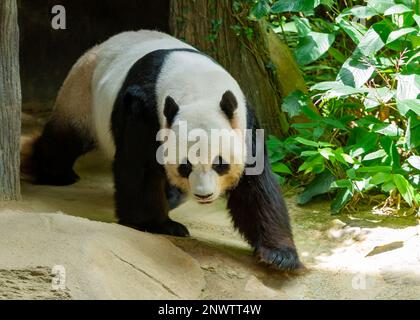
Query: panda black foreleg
(55, 152)
(260, 214)
(140, 181)
(141, 201)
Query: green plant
(362, 64)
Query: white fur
(115, 58)
(197, 85)
(195, 82)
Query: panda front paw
(172, 228)
(284, 259)
(169, 227)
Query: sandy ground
(363, 256)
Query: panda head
(205, 168)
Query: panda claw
(284, 259)
(169, 227)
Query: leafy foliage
(362, 65)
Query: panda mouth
(205, 200)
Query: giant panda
(118, 96)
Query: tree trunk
(10, 102)
(250, 51)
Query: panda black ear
(134, 100)
(229, 104)
(171, 110)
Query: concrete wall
(46, 55)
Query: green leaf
(307, 142)
(320, 185)
(311, 47)
(405, 188)
(334, 123)
(366, 142)
(261, 9)
(341, 200)
(313, 164)
(342, 184)
(281, 168)
(294, 103)
(390, 148)
(354, 30)
(375, 169)
(381, 177)
(305, 6)
(413, 131)
(302, 25)
(337, 55)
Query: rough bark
(263, 65)
(10, 101)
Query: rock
(260, 291)
(92, 260)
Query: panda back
(116, 57)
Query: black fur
(141, 186)
(260, 213)
(229, 104)
(170, 111)
(221, 166)
(185, 169)
(55, 152)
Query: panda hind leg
(55, 152)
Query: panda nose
(208, 196)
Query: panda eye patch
(185, 169)
(221, 166)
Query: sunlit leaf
(374, 39)
(375, 155)
(414, 161)
(355, 72)
(406, 105)
(378, 96)
(395, 35)
(380, 6)
(397, 9)
(408, 86)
